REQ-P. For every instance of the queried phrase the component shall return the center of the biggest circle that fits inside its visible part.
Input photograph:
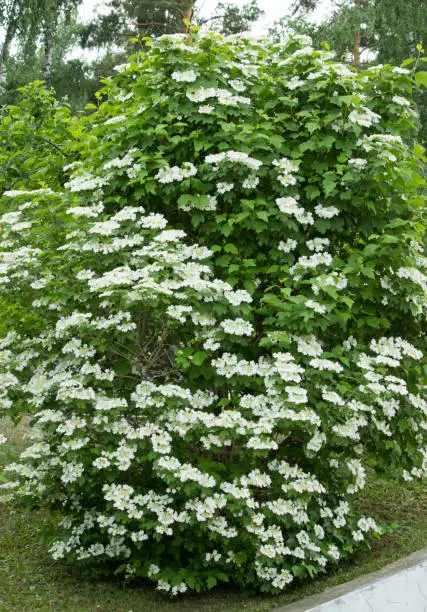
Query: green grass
(31, 581)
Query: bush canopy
(213, 294)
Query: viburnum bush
(225, 300)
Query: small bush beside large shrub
(225, 303)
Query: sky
(274, 10)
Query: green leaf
(312, 192)
(421, 78)
(212, 581)
(231, 248)
(199, 357)
(262, 214)
(276, 140)
(223, 577)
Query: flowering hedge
(225, 300)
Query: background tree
(128, 18)
(15, 17)
(29, 24)
(73, 78)
(55, 11)
(390, 29)
(372, 31)
(230, 19)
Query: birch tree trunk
(10, 25)
(48, 50)
(4, 56)
(412, 46)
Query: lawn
(31, 581)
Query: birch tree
(54, 10)
(14, 15)
(26, 22)
(389, 29)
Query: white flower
(235, 157)
(316, 442)
(188, 76)
(11, 217)
(358, 163)
(178, 312)
(3, 439)
(206, 109)
(101, 462)
(319, 308)
(250, 182)
(296, 395)
(153, 570)
(223, 96)
(326, 212)
(170, 174)
(14, 193)
(286, 167)
(367, 524)
(71, 472)
(237, 327)
(401, 101)
(287, 246)
(294, 82)
(238, 297)
(365, 117)
(237, 85)
(318, 244)
(309, 345)
(332, 397)
(288, 205)
(334, 552)
(114, 120)
(120, 162)
(224, 187)
(326, 364)
(85, 182)
(105, 228)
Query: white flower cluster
(364, 117)
(237, 157)
(85, 182)
(120, 162)
(169, 174)
(237, 327)
(287, 168)
(289, 206)
(186, 76)
(326, 212)
(316, 306)
(223, 96)
(288, 246)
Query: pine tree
(129, 18)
